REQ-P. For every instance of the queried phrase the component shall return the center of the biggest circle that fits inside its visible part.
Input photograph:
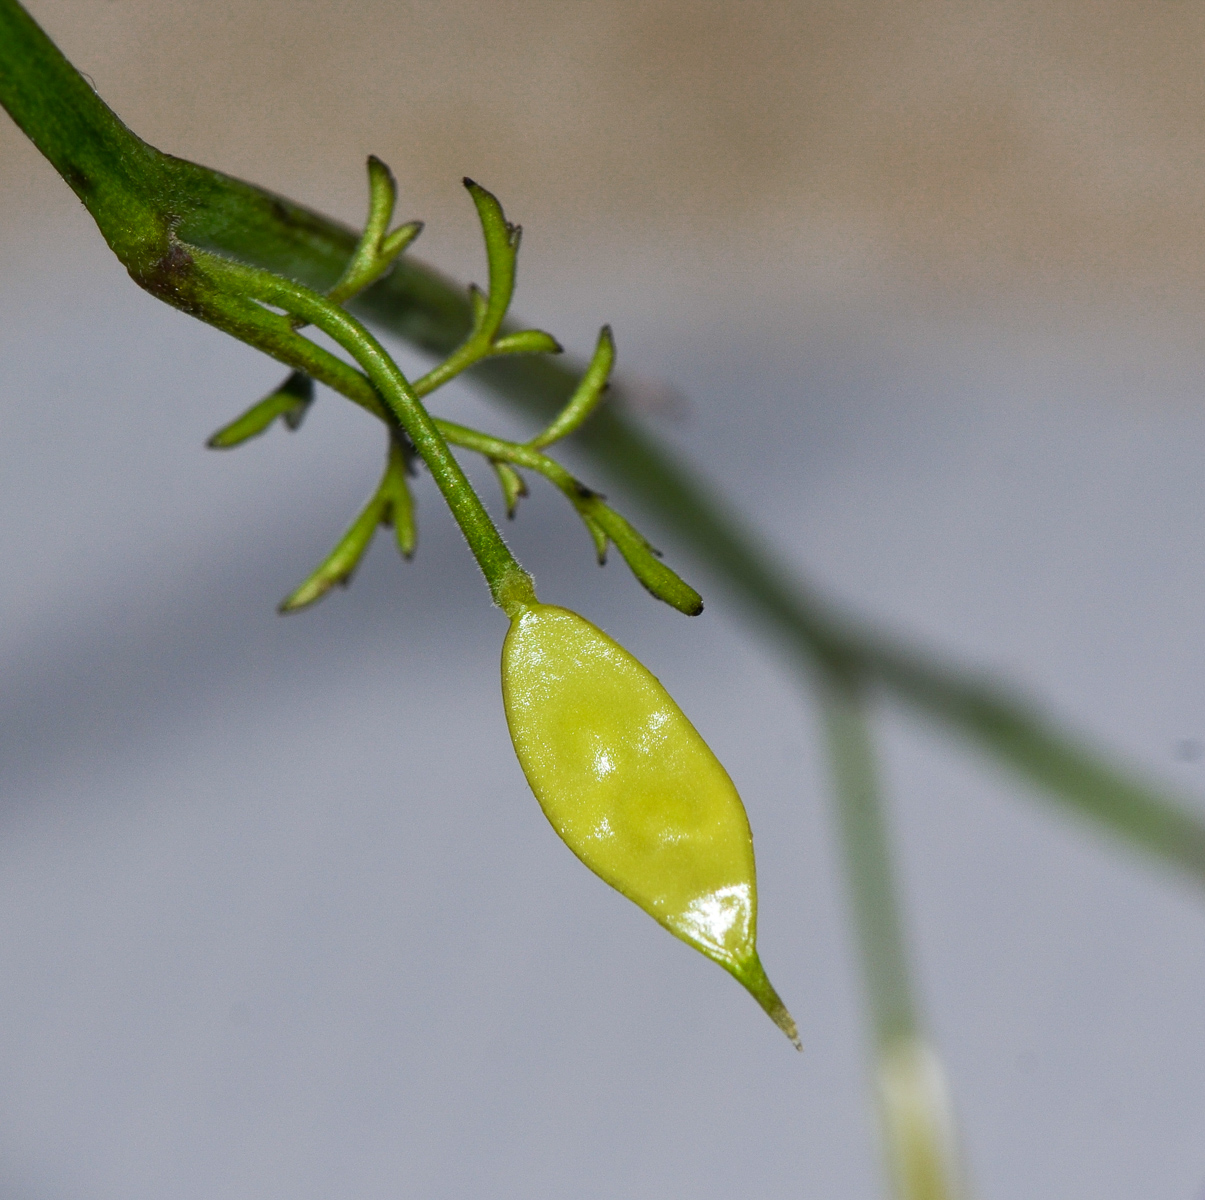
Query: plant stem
(509, 583)
(111, 169)
(866, 853)
(916, 1120)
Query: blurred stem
(866, 854)
(917, 1123)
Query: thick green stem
(114, 172)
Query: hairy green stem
(509, 584)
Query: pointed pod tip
(752, 976)
(782, 1018)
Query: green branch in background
(915, 1111)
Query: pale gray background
(278, 916)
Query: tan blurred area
(963, 147)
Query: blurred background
(919, 287)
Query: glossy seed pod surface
(632, 788)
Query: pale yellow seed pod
(632, 788)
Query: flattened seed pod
(632, 788)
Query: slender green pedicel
(632, 788)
